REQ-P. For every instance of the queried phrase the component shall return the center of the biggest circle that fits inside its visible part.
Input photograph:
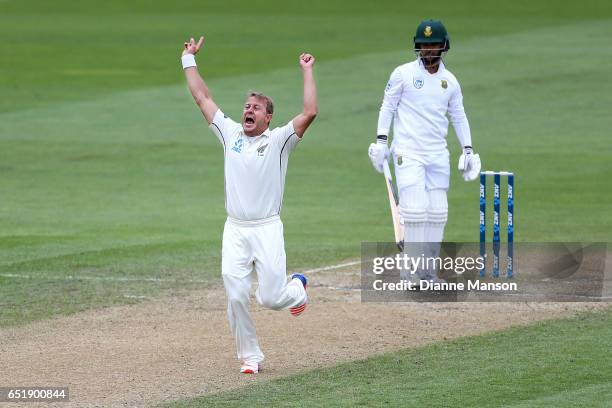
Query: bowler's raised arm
(304, 119)
(196, 84)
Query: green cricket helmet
(431, 32)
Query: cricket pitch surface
(178, 347)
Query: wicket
(496, 222)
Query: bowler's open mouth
(249, 120)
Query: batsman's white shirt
(417, 102)
(255, 168)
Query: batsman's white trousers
(255, 246)
(422, 181)
(427, 171)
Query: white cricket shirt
(255, 167)
(417, 102)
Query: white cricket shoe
(250, 368)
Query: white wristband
(188, 60)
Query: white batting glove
(469, 164)
(378, 153)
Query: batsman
(419, 99)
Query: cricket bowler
(255, 166)
(417, 99)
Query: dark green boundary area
(560, 363)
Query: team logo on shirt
(260, 150)
(238, 146)
(418, 83)
(444, 84)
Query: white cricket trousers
(255, 246)
(422, 181)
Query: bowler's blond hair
(265, 98)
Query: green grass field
(107, 168)
(565, 363)
(111, 186)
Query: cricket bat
(398, 226)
